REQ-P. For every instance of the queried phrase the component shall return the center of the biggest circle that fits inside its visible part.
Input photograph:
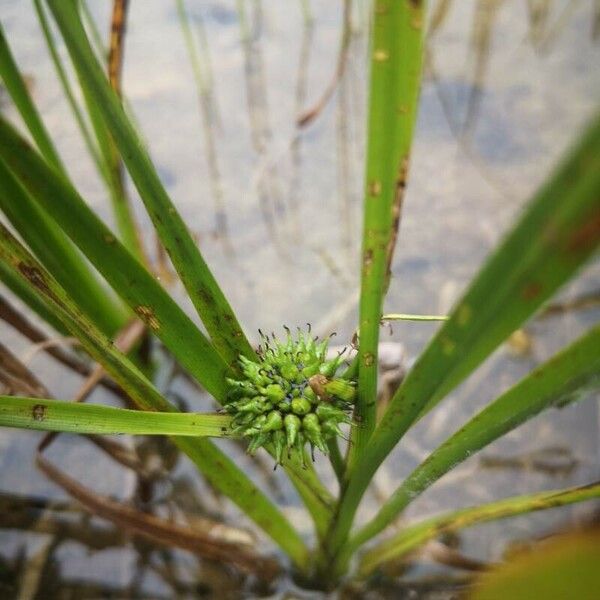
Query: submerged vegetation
(288, 396)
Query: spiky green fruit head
(290, 396)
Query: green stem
(337, 460)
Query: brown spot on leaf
(35, 276)
(374, 187)
(38, 412)
(587, 236)
(206, 296)
(146, 314)
(396, 210)
(369, 359)
(531, 290)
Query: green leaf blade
(414, 536)
(130, 280)
(396, 56)
(56, 251)
(557, 233)
(100, 149)
(570, 375)
(220, 471)
(195, 275)
(70, 417)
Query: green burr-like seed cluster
(290, 397)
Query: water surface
(277, 213)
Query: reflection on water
(217, 88)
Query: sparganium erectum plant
(286, 397)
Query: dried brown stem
(20, 323)
(17, 378)
(160, 531)
(307, 116)
(124, 341)
(116, 45)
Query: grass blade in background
(554, 237)
(413, 536)
(570, 375)
(100, 50)
(199, 282)
(56, 252)
(11, 76)
(396, 55)
(54, 415)
(98, 143)
(64, 81)
(126, 275)
(219, 470)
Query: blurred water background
(276, 209)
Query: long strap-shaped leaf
(66, 86)
(140, 290)
(396, 55)
(554, 237)
(71, 417)
(56, 252)
(199, 282)
(125, 274)
(88, 291)
(415, 535)
(569, 375)
(11, 76)
(216, 466)
(99, 150)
